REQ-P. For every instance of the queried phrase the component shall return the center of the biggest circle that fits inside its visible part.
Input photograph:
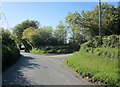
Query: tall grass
(98, 68)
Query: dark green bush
(107, 52)
(10, 52)
(109, 46)
(111, 41)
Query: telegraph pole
(100, 23)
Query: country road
(33, 69)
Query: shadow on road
(15, 76)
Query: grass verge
(98, 68)
(37, 51)
(53, 50)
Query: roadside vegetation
(10, 52)
(97, 69)
(45, 38)
(37, 51)
(52, 49)
(98, 64)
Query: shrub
(109, 46)
(10, 52)
(107, 52)
(107, 41)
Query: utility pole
(100, 23)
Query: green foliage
(111, 41)
(97, 68)
(100, 63)
(107, 78)
(78, 29)
(52, 49)
(59, 49)
(108, 49)
(28, 35)
(18, 29)
(73, 20)
(107, 41)
(60, 33)
(88, 22)
(44, 38)
(38, 37)
(107, 52)
(37, 51)
(10, 52)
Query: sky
(47, 13)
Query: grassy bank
(97, 68)
(52, 49)
(36, 51)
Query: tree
(73, 20)
(18, 29)
(60, 33)
(28, 34)
(89, 21)
(38, 37)
(110, 19)
(74, 24)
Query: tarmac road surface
(46, 69)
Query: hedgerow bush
(107, 52)
(109, 47)
(10, 52)
(52, 49)
(111, 41)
